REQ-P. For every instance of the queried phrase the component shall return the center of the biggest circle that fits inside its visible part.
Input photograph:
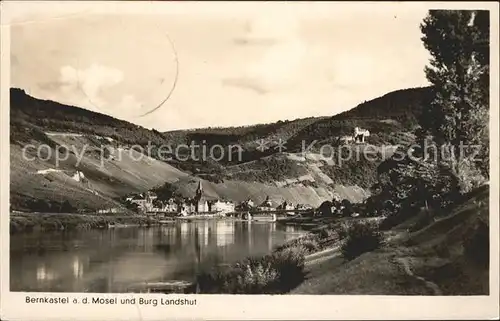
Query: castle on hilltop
(358, 136)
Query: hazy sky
(235, 66)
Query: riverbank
(31, 221)
(28, 222)
(316, 223)
(275, 273)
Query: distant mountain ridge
(394, 111)
(401, 106)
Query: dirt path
(405, 264)
(322, 256)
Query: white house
(223, 206)
(360, 134)
(267, 205)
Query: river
(114, 259)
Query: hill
(385, 117)
(447, 256)
(105, 179)
(47, 116)
(391, 120)
(111, 172)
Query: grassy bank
(446, 255)
(27, 222)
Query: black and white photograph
(160, 153)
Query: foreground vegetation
(283, 269)
(447, 255)
(275, 273)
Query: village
(201, 206)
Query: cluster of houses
(199, 204)
(148, 202)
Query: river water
(112, 260)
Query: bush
(326, 233)
(308, 244)
(395, 218)
(343, 231)
(361, 238)
(290, 265)
(278, 272)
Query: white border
(228, 307)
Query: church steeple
(199, 190)
(200, 201)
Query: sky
(174, 67)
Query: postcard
(249, 160)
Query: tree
(458, 41)
(66, 207)
(325, 208)
(167, 191)
(158, 203)
(131, 206)
(347, 207)
(39, 205)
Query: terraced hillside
(107, 176)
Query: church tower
(199, 191)
(200, 202)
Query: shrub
(326, 233)
(278, 272)
(290, 265)
(395, 218)
(343, 230)
(67, 207)
(361, 238)
(308, 244)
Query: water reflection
(112, 260)
(272, 229)
(290, 232)
(43, 274)
(184, 232)
(77, 267)
(225, 233)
